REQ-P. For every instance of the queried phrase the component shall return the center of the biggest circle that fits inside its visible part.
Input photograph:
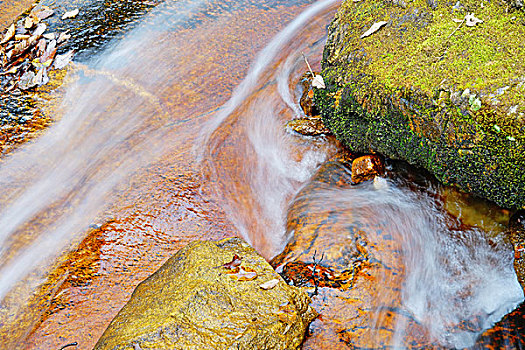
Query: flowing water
(176, 132)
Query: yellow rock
(192, 302)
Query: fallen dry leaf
(44, 13)
(29, 22)
(41, 77)
(236, 261)
(269, 284)
(70, 14)
(50, 52)
(244, 273)
(40, 29)
(26, 80)
(49, 36)
(63, 37)
(13, 70)
(310, 93)
(3, 58)
(41, 47)
(22, 46)
(22, 37)
(471, 21)
(9, 34)
(318, 82)
(374, 28)
(63, 60)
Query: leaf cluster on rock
(28, 52)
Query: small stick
(68, 345)
(310, 68)
(316, 283)
(455, 30)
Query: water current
(176, 132)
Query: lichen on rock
(199, 300)
(430, 90)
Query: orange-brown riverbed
(138, 165)
(177, 78)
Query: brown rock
(307, 98)
(354, 260)
(308, 126)
(517, 237)
(366, 168)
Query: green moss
(423, 90)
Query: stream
(176, 131)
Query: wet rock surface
(345, 263)
(506, 334)
(212, 295)
(312, 126)
(353, 265)
(307, 98)
(433, 89)
(366, 168)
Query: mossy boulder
(196, 300)
(437, 93)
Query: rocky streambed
(371, 252)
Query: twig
(316, 282)
(309, 68)
(448, 38)
(68, 345)
(455, 30)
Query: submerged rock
(365, 251)
(350, 263)
(433, 88)
(209, 296)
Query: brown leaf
(3, 58)
(236, 261)
(22, 46)
(19, 37)
(70, 14)
(9, 34)
(49, 36)
(29, 22)
(40, 29)
(63, 37)
(269, 284)
(41, 77)
(41, 47)
(318, 82)
(50, 52)
(471, 20)
(244, 274)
